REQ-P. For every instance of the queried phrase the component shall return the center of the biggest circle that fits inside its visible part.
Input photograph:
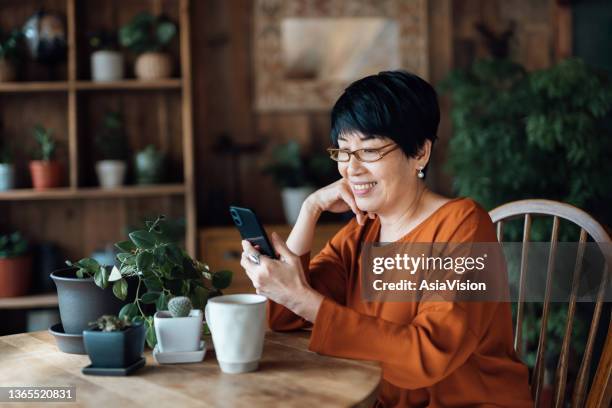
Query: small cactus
(110, 323)
(179, 306)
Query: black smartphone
(251, 229)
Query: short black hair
(394, 104)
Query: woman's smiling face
(377, 185)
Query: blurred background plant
(11, 45)
(147, 33)
(291, 168)
(13, 245)
(111, 143)
(103, 40)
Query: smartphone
(251, 229)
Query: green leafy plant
(179, 306)
(103, 40)
(291, 168)
(147, 33)
(10, 45)
(46, 144)
(520, 134)
(6, 154)
(13, 245)
(110, 139)
(111, 323)
(541, 134)
(162, 270)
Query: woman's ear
(424, 153)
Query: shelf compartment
(94, 192)
(40, 301)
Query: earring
(420, 174)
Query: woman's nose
(354, 165)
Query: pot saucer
(115, 372)
(178, 357)
(68, 343)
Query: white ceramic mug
(237, 325)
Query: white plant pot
(111, 173)
(7, 176)
(292, 201)
(106, 66)
(178, 334)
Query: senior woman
(437, 354)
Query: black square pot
(114, 349)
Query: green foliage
(111, 323)
(110, 139)
(46, 144)
(147, 33)
(179, 306)
(6, 154)
(13, 245)
(10, 44)
(531, 135)
(542, 134)
(162, 270)
(291, 168)
(102, 40)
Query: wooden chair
(600, 393)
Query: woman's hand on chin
(337, 198)
(281, 281)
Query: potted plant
(148, 35)
(149, 165)
(10, 46)
(106, 60)
(153, 258)
(84, 294)
(45, 171)
(112, 151)
(179, 329)
(297, 175)
(15, 265)
(7, 169)
(113, 342)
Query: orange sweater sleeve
(438, 340)
(326, 274)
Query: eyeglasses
(363, 155)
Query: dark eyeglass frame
(356, 153)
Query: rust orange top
(436, 354)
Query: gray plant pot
(81, 301)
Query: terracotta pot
(153, 65)
(7, 71)
(15, 276)
(45, 174)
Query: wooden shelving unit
(42, 301)
(81, 216)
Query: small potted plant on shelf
(15, 265)
(147, 36)
(297, 175)
(149, 165)
(153, 259)
(114, 343)
(45, 171)
(7, 169)
(10, 47)
(112, 151)
(179, 329)
(106, 60)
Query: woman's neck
(401, 219)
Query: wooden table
(289, 376)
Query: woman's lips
(362, 189)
